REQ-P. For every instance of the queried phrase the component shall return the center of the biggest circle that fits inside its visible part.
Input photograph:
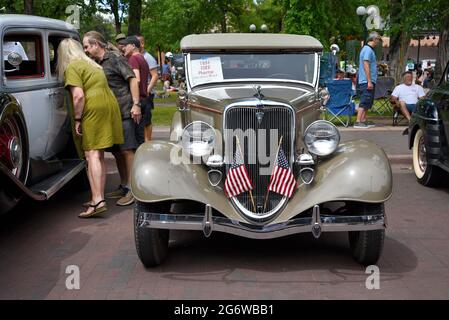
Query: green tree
(118, 8)
(327, 20)
(271, 13)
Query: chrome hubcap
(15, 152)
(11, 153)
(422, 160)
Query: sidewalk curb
(400, 158)
(375, 129)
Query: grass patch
(171, 99)
(162, 116)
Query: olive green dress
(101, 122)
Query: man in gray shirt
(152, 79)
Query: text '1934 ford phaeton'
(249, 156)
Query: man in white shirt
(407, 94)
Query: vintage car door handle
(55, 93)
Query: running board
(43, 190)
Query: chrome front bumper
(316, 224)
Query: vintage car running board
(317, 224)
(43, 190)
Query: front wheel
(151, 244)
(426, 174)
(366, 246)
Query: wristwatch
(137, 104)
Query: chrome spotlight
(215, 161)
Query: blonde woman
(97, 115)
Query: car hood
(218, 97)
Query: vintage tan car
(250, 156)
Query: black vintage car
(429, 135)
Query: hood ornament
(260, 97)
(258, 93)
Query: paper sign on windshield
(206, 70)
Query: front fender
(358, 171)
(161, 172)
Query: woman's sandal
(86, 204)
(95, 211)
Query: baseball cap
(119, 37)
(131, 40)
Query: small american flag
(237, 180)
(282, 179)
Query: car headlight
(321, 138)
(198, 139)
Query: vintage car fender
(358, 171)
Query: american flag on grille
(237, 180)
(282, 180)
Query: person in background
(367, 78)
(166, 71)
(340, 75)
(407, 94)
(428, 77)
(352, 74)
(152, 81)
(119, 41)
(96, 112)
(140, 68)
(123, 83)
(419, 74)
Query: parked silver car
(37, 153)
(249, 155)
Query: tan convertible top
(249, 41)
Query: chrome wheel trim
(422, 160)
(418, 164)
(10, 127)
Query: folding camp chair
(382, 93)
(398, 116)
(340, 105)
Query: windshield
(210, 67)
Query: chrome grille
(242, 122)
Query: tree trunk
(399, 41)
(28, 6)
(135, 14)
(114, 4)
(223, 22)
(443, 50)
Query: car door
(60, 126)
(29, 84)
